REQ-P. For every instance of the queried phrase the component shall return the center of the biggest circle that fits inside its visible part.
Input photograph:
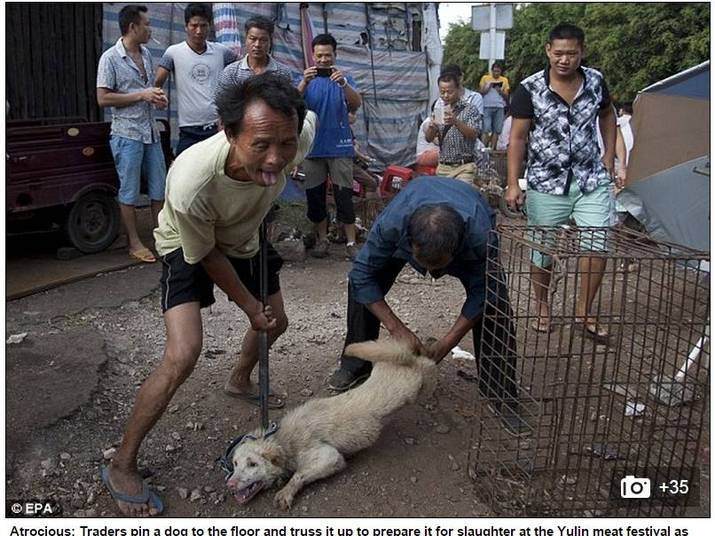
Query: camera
(325, 72)
(635, 488)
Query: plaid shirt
(563, 141)
(454, 146)
(237, 72)
(117, 72)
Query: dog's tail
(390, 351)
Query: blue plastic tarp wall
(392, 79)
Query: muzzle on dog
(225, 462)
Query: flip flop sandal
(591, 331)
(274, 402)
(143, 255)
(147, 496)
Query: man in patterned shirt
(456, 131)
(125, 80)
(259, 41)
(554, 112)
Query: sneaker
(351, 250)
(343, 380)
(511, 418)
(320, 250)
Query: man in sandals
(125, 83)
(218, 192)
(554, 112)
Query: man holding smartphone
(331, 94)
(495, 88)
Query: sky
(453, 12)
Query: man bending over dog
(441, 226)
(217, 193)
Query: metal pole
(492, 34)
(263, 385)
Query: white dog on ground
(311, 440)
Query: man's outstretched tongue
(269, 178)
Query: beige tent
(668, 186)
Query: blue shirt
(334, 138)
(389, 238)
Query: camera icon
(635, 488)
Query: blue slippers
(147, 496)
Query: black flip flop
(592, 333)
(147, 496)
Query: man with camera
(455, 131)
(331, 94)
(495, 88)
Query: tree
(462, 48)
(633, 44)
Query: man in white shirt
(427, 154)
(197, 65)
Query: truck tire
(93, 222)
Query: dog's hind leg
(314, 464)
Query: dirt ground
(71, 381)
(89, 345)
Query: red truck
(60, 172)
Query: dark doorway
(52, 52)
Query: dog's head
(257, 464)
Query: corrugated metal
(51, 64)
(395, 70)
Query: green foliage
(462, 48)
(633, 44)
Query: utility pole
(492, 34)
(491, 20)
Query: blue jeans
(133, 159)
(493, 120)
(191, 135)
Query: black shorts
(182, 282)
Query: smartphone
(499, 84)
(325, 72)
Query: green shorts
(587, 210)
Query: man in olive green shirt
(218, 192)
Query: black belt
(459, 162)
(208, 126)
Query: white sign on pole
(481, 17)
(485, 46)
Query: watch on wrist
(345, 83)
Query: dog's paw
(283, 499)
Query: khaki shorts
(464, 172)
(317, 171)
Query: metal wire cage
(572, 425)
